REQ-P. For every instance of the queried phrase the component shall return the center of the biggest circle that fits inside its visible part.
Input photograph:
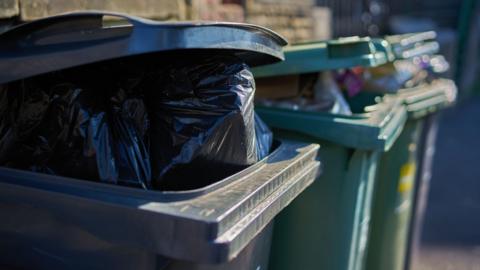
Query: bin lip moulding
(208, 225)
(80, 38)
(407, 46)
(414, 44)
(428, 98)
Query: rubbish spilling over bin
(167, 107)
(327, 226)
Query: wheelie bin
(404, 172)
(55, 222)
(327, 226)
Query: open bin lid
(325, 55)
(80, 38)
(411, 45)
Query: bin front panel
(68, 218)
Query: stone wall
(291, 18)
(215, 10)
(8, 8)
(27, 10)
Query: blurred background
(455, 21)
(451, 235)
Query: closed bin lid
(80, 38)
(326, 55)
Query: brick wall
(8, 8)
(27, 10)
(290, 18)
(215, 10)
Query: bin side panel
(393, 201)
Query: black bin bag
(143, 124)
(134, 102)
(75, 131)
(203, 126)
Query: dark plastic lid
(80, 38)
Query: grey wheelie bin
(57, 222)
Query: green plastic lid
(326, 55)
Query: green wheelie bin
(327, 226)
(405, 169)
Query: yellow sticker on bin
(407, 176)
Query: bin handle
(83, 20)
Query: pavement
(451, 230)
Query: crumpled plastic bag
(203, 126)
(328, 92)
(70, 131)
(264, 138)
